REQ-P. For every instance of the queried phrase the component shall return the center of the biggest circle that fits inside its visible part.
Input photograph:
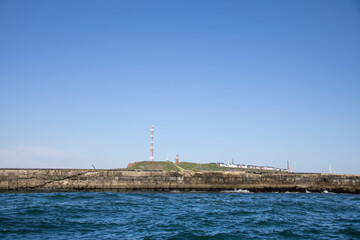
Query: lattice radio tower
(152, 145)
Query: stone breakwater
(23, 180)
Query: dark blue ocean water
(146, 215)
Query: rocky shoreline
(45, 180)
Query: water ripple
(146, 215)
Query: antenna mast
(152, 145)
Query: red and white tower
(152, 145)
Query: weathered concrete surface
(20, 180)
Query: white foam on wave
(175, 191)
(326, 191)
(237, 191)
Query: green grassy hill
(156, 165)
(168, 166)
(197, 167)
(201, 166)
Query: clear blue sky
(262, 82)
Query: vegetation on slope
(201, 166)
(170, 166)
(156, 165)
(213, 167)
(188, 165)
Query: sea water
(178, 215)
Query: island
(169, 176)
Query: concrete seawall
(22, 180)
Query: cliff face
(120, 180)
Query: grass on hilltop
(170, 166)
(156, 165)
(205, 166)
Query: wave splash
(237, 191)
